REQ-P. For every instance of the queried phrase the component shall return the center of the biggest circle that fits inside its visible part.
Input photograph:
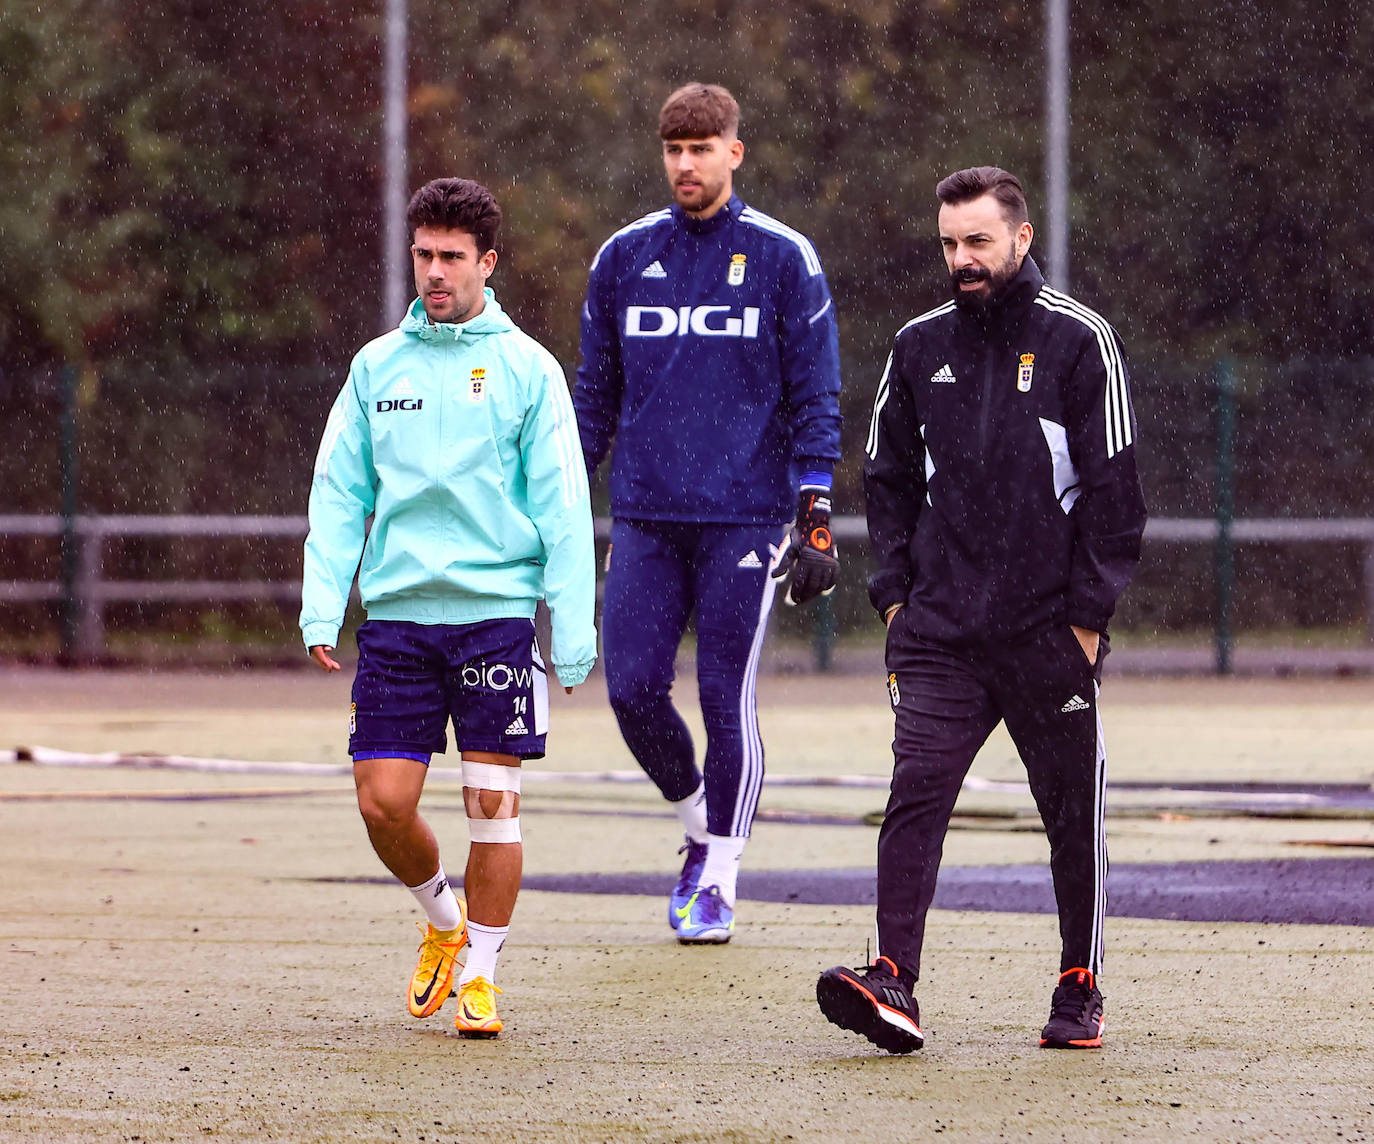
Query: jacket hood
(492, 320)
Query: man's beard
(705, 194)
(979, 302)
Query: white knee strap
(493, 776)
(494, 829)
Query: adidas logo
(654, 270)
(895, 997)
(1077, 703)
(750, 560)
(517, 727)
(943, 374)
(403, 388)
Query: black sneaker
(872, 1002)
(1075, 1013)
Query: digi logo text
(704, 321)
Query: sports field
(192, 954)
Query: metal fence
(85, 591)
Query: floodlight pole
(395, 241)
(1226, 511)
(71, 554)
(1057, 142)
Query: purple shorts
(487, 677)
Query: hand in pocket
(1087, 640)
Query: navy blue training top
(710, 354)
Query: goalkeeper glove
(810, 555)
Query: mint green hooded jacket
(459, 441)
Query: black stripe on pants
(947, 701)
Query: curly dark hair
(456, 204)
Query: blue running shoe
(707, 919)
(687, 884)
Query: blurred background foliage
(190, 212)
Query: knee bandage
(503, 825)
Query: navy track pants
(660, 573)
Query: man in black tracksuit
(1005, 516)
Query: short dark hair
(698, 111)
(456, 204)
(975, 182)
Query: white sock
(437, 900)
(484, 947)
(692, 811)
(722, 864)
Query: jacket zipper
(992, 551)
(985, 414)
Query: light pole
(1057, 142)
(395, 241)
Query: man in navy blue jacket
(710, 356)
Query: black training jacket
(1000, 472)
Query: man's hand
(810, 555)
(320, 654)
(1088, 641)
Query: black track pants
(947, 701)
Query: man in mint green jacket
(455, 433)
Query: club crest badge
(477, 385)
(892, 689)
(352, 718)
(736, 275)
(1024, 372)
